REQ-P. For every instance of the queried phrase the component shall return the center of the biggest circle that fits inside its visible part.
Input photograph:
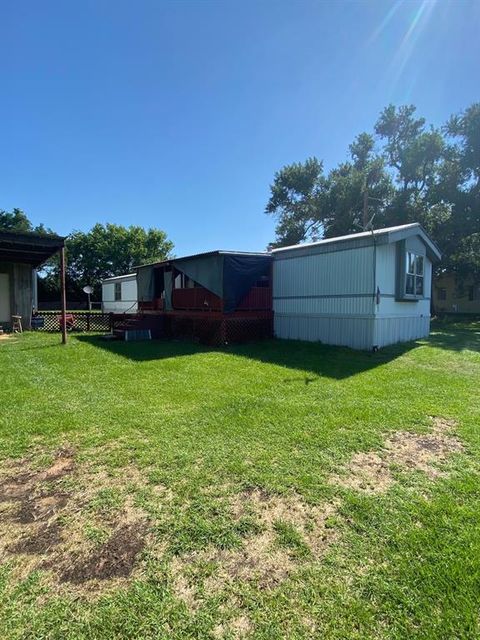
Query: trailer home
(119, 294)
(364, 290)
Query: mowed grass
(204, 426)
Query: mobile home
(119, 294)
(364, 290)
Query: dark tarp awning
(230, 275)
(239, 275)
(206, 270)
(28, 248)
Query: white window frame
(414, 274)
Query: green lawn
(168, 490)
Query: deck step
(137, 334)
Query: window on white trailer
(414, 277)
(118, 291)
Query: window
(414, 276)
(118, 291)
(442, 293)
(471, 294)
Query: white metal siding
(335, 273)
(326, 297)
(338, 306)
(351, 332)
(129, 296)
(400, 321)
(400, 329)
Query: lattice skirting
(76, 321)
(220, 331)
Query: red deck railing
(198, 298)
(257, 298)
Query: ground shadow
(455, 336)
(312, 359)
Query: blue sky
(177, 114)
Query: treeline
(403, 171)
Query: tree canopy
(112, 250)
(17, 220)
(404, 171)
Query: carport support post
(63, 292)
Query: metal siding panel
(325, 306)
(356, 333)
(343, 272)
(398, 329)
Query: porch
(213, 298)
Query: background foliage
(411, 172)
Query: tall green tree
(461, 186)
(111, 250)
(308, 205)
(296, 201)
(406, 171)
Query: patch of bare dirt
(41, 507)
(114, 559)
(368, 472)
(6, 336)
(182, 585)
(45, 516)
(371, 471)
(40, 540)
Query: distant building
(452, 296)
(119, 294)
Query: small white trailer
(119, 294)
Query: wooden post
(63, 296)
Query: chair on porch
(17, 324)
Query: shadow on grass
(455, 336)
(309, 358)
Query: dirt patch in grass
(41, 540)
(366, 471)
(371, 471)
(49, 516)
(6, 336)
(114, 559)
(263, 557)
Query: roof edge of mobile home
(124, 276)
(204, 254)
(364, 238)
